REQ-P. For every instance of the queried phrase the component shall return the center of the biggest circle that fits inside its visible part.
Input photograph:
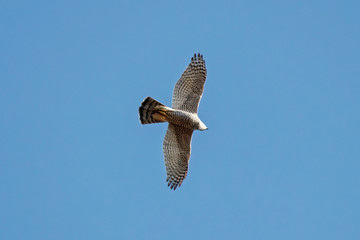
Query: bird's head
(202, 126)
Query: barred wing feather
(188, 90)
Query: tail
(151, 111)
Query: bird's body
(182, 118)
(185, 119)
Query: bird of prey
(182, 118)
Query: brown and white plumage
(177, 148)
(189, 89)
(182, 118)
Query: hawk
(182, 118)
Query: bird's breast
(182, 118)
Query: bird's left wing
(177, 148)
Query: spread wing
(188, 90)
(176, 148)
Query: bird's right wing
(177, 148)
(188, 90)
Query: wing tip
(197, 57)
(173, 184)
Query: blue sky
(281, 158)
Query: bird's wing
(176, 148)
(188, 90)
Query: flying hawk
(182, 118)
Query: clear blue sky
(281, 158)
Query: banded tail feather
(152, 111)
